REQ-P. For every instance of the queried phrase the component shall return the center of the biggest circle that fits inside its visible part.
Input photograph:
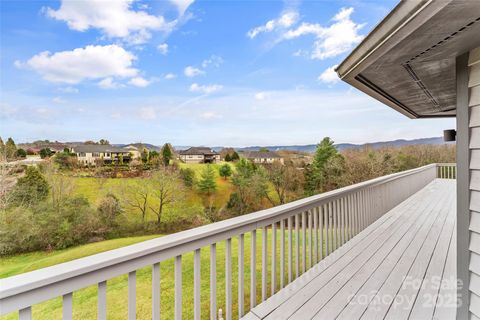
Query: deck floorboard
(399, 267)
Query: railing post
(213, 281)
(264, 263)
(228, 279)
(132, 295)
(282, 253)
(241, 296)
(155, 291)
(196, 285)
(253, 269)
(102, 301)
(274, 258)
(178, 287)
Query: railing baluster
(321, 211)
(213, 281)
(102, 301)
(282, 253)
(327, 228)
(290, 252)
(335, 225)
(253, 269)
(132, 295)
(178, 287)
(297, 246)
(67, 307)
(274, 258)
(304, 241)
(342, 215)
(264, 263)
(196, 285)
(241, 295)
(156, 291)
(310, 247)
(228, 279)
(315, 235)
(350, 216)
(25, 313)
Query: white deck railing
(323, 223)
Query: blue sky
(231, 73)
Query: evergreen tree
(2, 150)
(326, 165)
(45, 153)
(31, 188)
(228, 158)
(207, 182)
(225, 171)
(167, 154)
(10, 149)
(21, 153)
(235, 156)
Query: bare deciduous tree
(167, 190)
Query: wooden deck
(401, 267)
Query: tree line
(41, 211)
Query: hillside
(343, 146)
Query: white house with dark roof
(263, 157)
(92, 154)
(199, 155)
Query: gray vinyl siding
(474, 145)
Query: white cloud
(214, 60)
(329, 76)
(147, 113)
(192, 72)
(206, 89)
(108, 83)
(333, 40)
(170, 76)
(139, 82)
(58, 100)
(163, 48)
(286, 20)
(182, 5)
(210, 115)
(91, 62)
(262, 95)
(115, 19)
(69, 90)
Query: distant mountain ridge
(343, 146)
(301, 148)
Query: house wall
(192, 158)
(474, 181)
(267, 160)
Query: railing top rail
(175, 243)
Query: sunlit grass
(85, 300)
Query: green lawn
(95, 188)
(85, 301)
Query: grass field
(95, 188)
(85, 300)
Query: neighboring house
(136, 149)
(136, 152)
(265, 157)
(198, 155)
(91, 154)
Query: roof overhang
(408, 61)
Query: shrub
(188, 177)
(21, 153)
(31, 188)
